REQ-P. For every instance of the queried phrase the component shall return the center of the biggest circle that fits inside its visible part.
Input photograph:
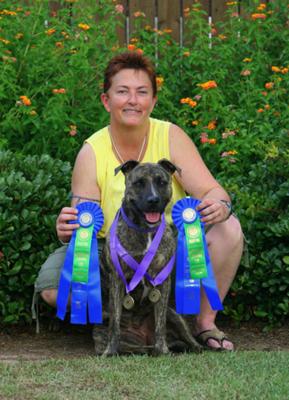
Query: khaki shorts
(49, 274)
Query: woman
(130, 94)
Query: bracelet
(228, 205)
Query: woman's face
(129, 99)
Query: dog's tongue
(152, 217)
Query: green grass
(240, 375)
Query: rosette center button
(189, 215)
(85, 219)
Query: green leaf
(286, 260)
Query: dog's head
(148, 189)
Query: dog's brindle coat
(147, 190)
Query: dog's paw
(159, 350)
(110, 351)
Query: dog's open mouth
(152, 217)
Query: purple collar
(136, 227)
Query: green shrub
(229, 93)
(33, 190)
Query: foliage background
(50, 81)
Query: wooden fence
(169, 14)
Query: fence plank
(169, 13)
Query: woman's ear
(155, 99)
(105, 101)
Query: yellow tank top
(112, 186)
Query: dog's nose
(153, 200)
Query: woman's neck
(129, 143)
(128, 135)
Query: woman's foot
(211, 338)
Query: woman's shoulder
(98, 137)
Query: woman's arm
(83, 186)
(196, 179)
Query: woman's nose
(132, 98)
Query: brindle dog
(148, 190)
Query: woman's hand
(63, 228)
(213, 211)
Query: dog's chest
(139, 245)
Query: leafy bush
(228, 92)
(33, 190)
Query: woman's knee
(49, 296)
(228, 232)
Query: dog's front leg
(160, 314)
(115, 309)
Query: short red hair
(129, 60)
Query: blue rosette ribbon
(192, 250)
(80, 275)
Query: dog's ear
(126, 167)
(169, 166)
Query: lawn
(239, 375)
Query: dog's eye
(139, 183)
(160, 181)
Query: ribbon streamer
(80, 273)
(193, 267)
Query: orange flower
(59, 45)
(189, 101)
(212, 141)
(260, 110)
(208, 85)
(19, 36)
(284, 70)
(222, 37)
(186, 12)
(247, 60)
(167, 30)
(84, 27)
(134, 40)
(25, 100)
(59, 91)
(231, 3)
(269, 85)
(275, 69)
(131, 47)
(186, 53)
(212, 125)
(258, 16)
(267, 107)
(195, 123)
(50, 32)
(7, 12)
(261, 7)
(5, 41)
(139, 51)
(160, 81)
(138, 14)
